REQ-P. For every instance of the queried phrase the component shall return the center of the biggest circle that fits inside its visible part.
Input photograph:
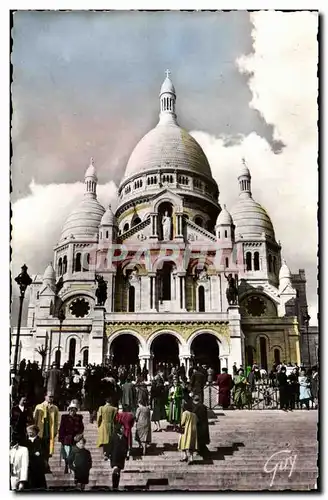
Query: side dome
(224, 218)
(284, 272)
(167, 145)
(251, 219)
(84, 220)
(108, 219)
(49, 274)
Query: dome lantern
(90, 181)
(167, 101)
(244, 179)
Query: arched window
(78, 262)
(199, 221)
(270, 263)
(277, 356)
(71, 352)
(256, 261)
(250, 355)
(65, 264)
(86, 262)
(126, 227)
(57, 357)
(131, 299)
(107, 233)
(85, 359)
(60, 266)
(263, 353)
(274, 264)
(226, 233)
(227, 261)
(219, 234)
(201, 299)
(248, 261)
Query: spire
(90, 180)
(244, 179)
(167, 100)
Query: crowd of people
(119, 399)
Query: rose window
(79, 308)
(256, 306)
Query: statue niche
(232, 291)
(167, 226)
(101, 291)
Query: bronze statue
(232, 291)
(101, 291)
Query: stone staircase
(242, 442)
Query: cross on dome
(167, 72)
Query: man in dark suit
(203, 434)
(197, 383)
(36, 479)
(19, 420)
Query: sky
(87, 83)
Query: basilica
(154, 279)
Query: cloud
(283, 80)
(38, 219)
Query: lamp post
(306, 319)
(23, 280)
(61, 317)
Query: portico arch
(165, 347)
(143, 348)
(124, 349)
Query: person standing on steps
(188, 443)
(126, 419)
(175, 402)
(203, 433)
(80, 462)
(71, 425)
(142, 391)
(157, 395)
(105, 421)
(19, 461)
(37, 466)
(118, 451)
(128, 395)
(53, 382)
(240, 397)
(225, 383)
(283, 389)
(46, 417)
(143, 426)
(197, 383)
(305, 390)
(18, 420)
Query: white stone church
(165, 254)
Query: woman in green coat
(240, 396)
(175, 401)
(105, 421)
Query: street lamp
(23, 280)
(61, 317)
(306, 319)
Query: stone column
(110, 278)
(152, 291)
(97, 335)
(179, 232)
(236, 336)
(182, 292)
(154, 225)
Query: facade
(165, 255)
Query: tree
(43, 353)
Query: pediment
(166, 195)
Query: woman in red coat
(126, 419)
(225, 383)
(71, 425)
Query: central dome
(167, 146)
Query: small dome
(167, 86)
(224, 218)
(49, 273)
(84, 220)
(251, 219)
(108, 219)
(284, 272)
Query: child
(118, 453)
(80, 462)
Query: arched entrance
(205, 351)
(165, 349)
(124, 350)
